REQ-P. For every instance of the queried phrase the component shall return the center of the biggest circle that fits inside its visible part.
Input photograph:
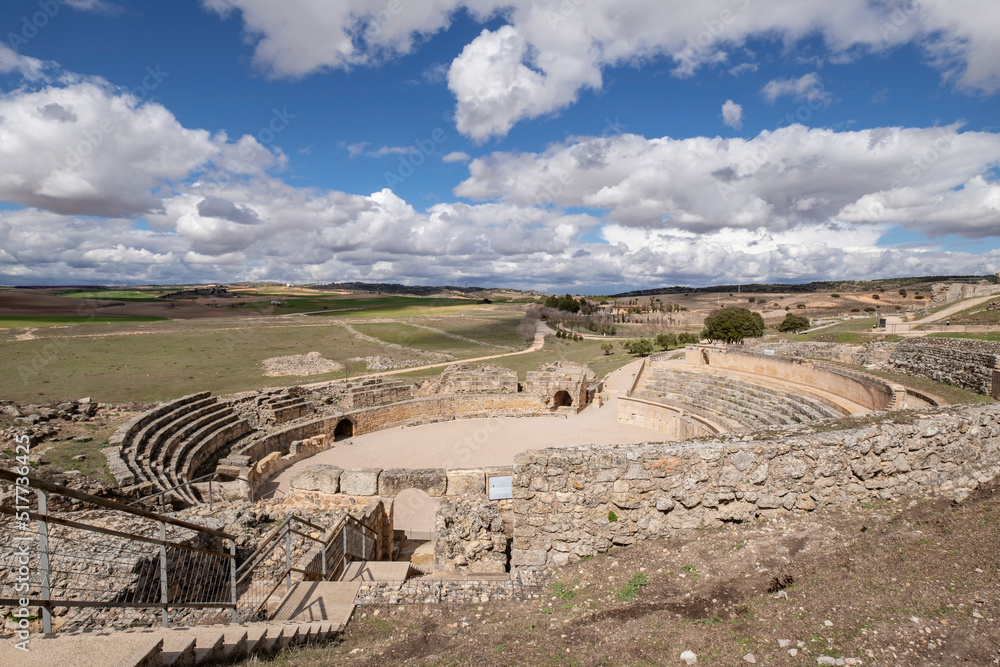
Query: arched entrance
(562, 399)
(343, 430)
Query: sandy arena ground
(474, 443)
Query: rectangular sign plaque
(501, 487)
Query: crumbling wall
(962, 362)
(577, 501)
(469, 536)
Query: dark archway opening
(343, 430)
(562, 399)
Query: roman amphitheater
(473, 485)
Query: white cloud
(551, 49)
(456, 156)
(806, 88)
(87, 148)
(732, 114)
(12, 61)
(775, 180)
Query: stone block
(319, 477)
(360, 482)
(528, 557)
(464, 482)
(433, 481)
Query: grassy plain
(63, 320)
(148, 362)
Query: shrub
(876, 297)
(834, 296)
(793, 323)
(800, 306)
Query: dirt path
(895, 324)
(541, 331)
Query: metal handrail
(161, 494)
(76, 572)
(35, 483)
(335, 537)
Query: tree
(607, 347)
(688, 339)
(733, 324)
(640, 346)
(793, 323)
(666, 340)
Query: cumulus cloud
(88, 148)
(919, 177)
(806, 88)
(732, 114)
(550, 50)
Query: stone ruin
(375, 391)
(561, 384)
(472, 379)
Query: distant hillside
(821, 286)
(395, 288)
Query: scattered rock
(689, 657)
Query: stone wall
(388, 483)
(472, 379)
(805, 349)
(557, 377)
(673, 422)
(469, 536)
(375, 391)
(942, 293)
(962, 362)
(578, 501)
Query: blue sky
(581, 144)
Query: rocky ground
(916, 583)
(312, 363)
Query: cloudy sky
(587, 145)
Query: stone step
(86, 649)
(313, 601)
(360, 570)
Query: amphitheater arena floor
(475, 443)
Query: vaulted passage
(562, 399)
(343, 430)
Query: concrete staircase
(310, 612)
(176, 647)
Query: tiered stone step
(748, 404)
(279, 410)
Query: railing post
(210, 495)
(322, 557)
(232, 577)
(344, 533)
(288, 555)
(163, 573)
(43, 561)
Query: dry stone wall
(575, 502)
(962, 362)
(472, 379)
(469, 536)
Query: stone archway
(343, 430)
(562, 399)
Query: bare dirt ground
(474, 443)
(915, 584)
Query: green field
(146, 363)
(10, 322)
(118, 295)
